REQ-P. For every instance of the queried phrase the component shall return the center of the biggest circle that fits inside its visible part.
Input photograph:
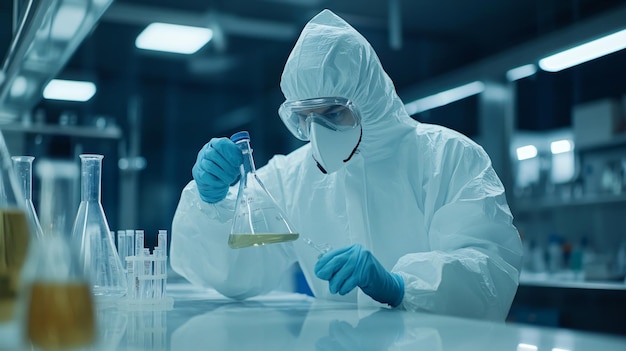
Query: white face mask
(331, 148)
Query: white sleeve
(473, 267)
(200, 252)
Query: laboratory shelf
(529, 205)
(552, 283)
(111, 132)
(617, 141)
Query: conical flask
(15, 236)
(60, 311)
(98, 255)
(258, 219)
(23, 166)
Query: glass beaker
(60, 311)
(15, 237)
(98, 255)
(258, 219)
(23, 166)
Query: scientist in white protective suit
(416, 214)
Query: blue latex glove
(353, 266)
(216, 168)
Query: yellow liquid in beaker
(237, 241)
(14, 237)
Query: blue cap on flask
(243, 135)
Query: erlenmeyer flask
(98, 255)
(60, 311)
(23, 166)
(15, 237)
(258, 219)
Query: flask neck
(91, 170)
(248, 160)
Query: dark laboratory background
(153, 111)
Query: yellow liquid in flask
(61, 315)
(14, 240)
(238, 241)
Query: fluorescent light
(444, 97)
(526, 347)
(526, 152)
(560, 146)
(68, 20)
(19, 87)
(585, 52)
(173, 38)
(521, 72)
(69, 90)
(558, 349)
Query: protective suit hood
(331, 59)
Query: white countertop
(201, 319)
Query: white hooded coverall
(423, 199)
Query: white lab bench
(202, 319)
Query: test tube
(139, 244)
(130, 276)
(162, 242)
(147, 274)
(158, 272)
(121, 245)
(130, 242)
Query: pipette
(322, 249)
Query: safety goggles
(334, 113)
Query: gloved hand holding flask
(216, 168)
(353, 266)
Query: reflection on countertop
(204, 319)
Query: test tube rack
(146, 272)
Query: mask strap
(357, 145)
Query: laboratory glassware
(98, 255)
(23, 166)
(320, 248)
(146, 273)
(59, 197)
(15, 239)
(60, 311)
(258, 219)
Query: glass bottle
(23, 166)
(98, 255)
(15, 238)
(258, 219)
